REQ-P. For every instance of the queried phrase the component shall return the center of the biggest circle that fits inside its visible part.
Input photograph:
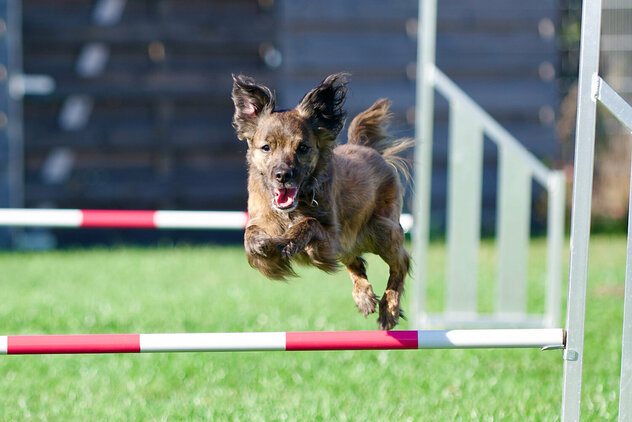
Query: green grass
(200, 289)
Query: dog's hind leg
(363, 294)
(389, 304)
(389, 246)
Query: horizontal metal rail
(282, 341)
(613, 101)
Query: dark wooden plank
(369, 9)
(489, 6)
(342, 11)
(511, 44)
(349, 48)
(493, 66)
(149, 84)
(131, 187)
(505, 99)
(538, 137)
(196, 12)
(231, 33)
(135, 59)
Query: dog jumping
(312, 201)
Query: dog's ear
(322, 106)
(251, 102)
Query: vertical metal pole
(623, 112)
(424, 115)
(625, 383)
(580, 220)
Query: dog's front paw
(286, 247)
(260, 245)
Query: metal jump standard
(516, 168)
(592, 88)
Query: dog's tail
(369, 128)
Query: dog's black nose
(283, 175)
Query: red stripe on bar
(351, 340)
(118, 218)
(73, 343)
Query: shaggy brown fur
(316, 202)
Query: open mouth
(285, 198)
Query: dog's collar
(314, 202)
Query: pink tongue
(285, 197)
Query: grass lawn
(212, 289)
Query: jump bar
(133, 219)
(283, 341)
(128, 219)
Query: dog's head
(287, 147)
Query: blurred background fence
(139, 114)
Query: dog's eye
(302, 149)
(265, 148)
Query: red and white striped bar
(133, 219)
(129, 219)
(283, 341)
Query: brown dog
(316, 202)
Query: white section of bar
(208, 342)
(3, 345)
(484, 339)
(200, 219)
(40, 217)
(406, 221)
